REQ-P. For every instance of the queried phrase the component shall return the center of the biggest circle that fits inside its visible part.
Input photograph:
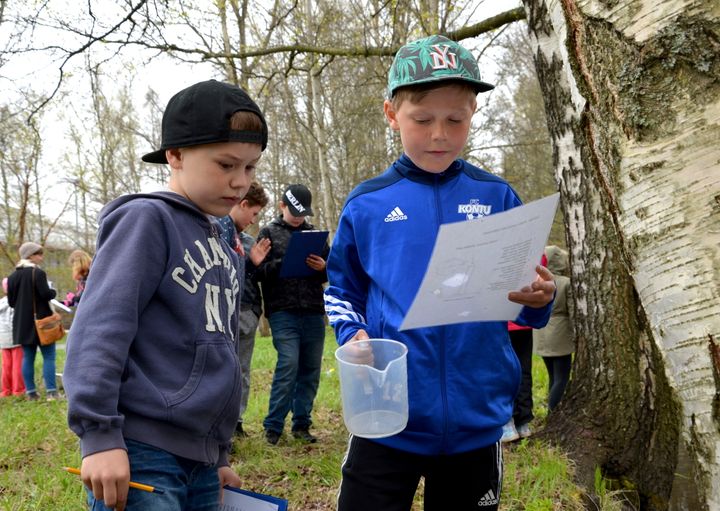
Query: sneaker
(53, 395)
(32, 396)
(304, 436)
(272, 437)
(510, 434)
(239, 431)
(524, 430)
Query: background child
(555, 343)
(462, 378)
(79, 262)
(152, 378)
(12, 380)
(242, 216)
(294, 308)
(521, 339)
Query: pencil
(133, 484)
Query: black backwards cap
(201, 114)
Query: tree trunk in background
(316, 121)
(632, 94)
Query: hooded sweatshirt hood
(557, 260)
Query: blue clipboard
(302, 244)
(237, 499)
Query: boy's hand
(315, 262)
(360, 353)
(539, 293)
(259, 251)
(360, 335)
(107, 474)
(227, 476)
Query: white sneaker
(510, 434)
(524, 430)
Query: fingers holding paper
(539, 293)
(227, 476)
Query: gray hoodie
(151, 353)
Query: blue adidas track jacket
(462, 378)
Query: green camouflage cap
(434, 59)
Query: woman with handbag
(29, 294)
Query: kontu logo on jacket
(474, 209)
(395, 215)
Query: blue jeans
(187, 485)
(28, 367)
(298, 339)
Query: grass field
(36, 443)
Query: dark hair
(256, 195)
(416, 93)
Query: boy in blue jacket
(462, 378)
(152, 378)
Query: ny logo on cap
(442, 59)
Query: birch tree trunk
(318, 127)
(632, 94)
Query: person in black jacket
(26, 284)
(295, 309)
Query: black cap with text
(298, 199)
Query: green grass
(37, 444)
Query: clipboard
(302, 244)
(235, 499)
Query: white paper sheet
(235, 499)
(60, 305)
(475, 264)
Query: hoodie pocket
(210, 387)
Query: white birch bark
(674, 212)
(321, 139)
(666, 192)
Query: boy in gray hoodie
(152, 378)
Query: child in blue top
(462, 378)
(242, 216)
(152, 378)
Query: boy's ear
(391, 115)
(174, 158)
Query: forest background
(66, 152)
(630, 90)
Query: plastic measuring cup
(373, 384)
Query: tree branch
(70, 55)
(485, 26)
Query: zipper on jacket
(223, 283)
(442, 339)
